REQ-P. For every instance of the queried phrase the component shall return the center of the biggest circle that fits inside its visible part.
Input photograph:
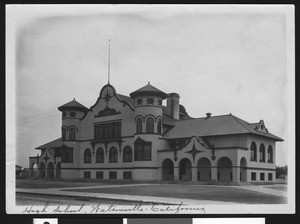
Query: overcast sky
(219, 60)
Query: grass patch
(226, 194)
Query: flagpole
(108, 61)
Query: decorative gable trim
(107, 112)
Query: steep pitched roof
(148, 90)
(215, 125)
(73, 105)
(126, 98)
(53, 144)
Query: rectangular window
(262, 176)
(99, 174)
(127, 175)
(142, 152)
(67, 156)
(87, 175)
(270, 176)
(107, 130)
(112, 175)
(253, 176)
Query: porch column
(176, 173)
(214, 173)
(194, 173)
(46, 171)
(236, 174)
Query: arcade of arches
(204, 171)
(43, 170)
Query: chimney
(173, 105)
(208, 115)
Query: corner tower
(72, 112)
(148, 109)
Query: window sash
(100, 156)
(67, 156)
(107, 130)
(142, 152)
(87, 157)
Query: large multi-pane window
(262, 153)
(253, 151)
(107, 130)
(127, 154)
(67, 156)
(270, 154)
(72, 134)
(113, 155)
(150, 125)
(142, 152)
(139, 125)
(87, 156)
(100, 155)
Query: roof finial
(74, 98)
(148, 83)
(108, 60)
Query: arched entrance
(50, 170)
(33, 170)
(167, 170)
(58, 170)
(204, 169)
(185, 170)
(224, 169)
(243, 166)
(42, 170)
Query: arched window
(113, 155)
(150, 125)
(253, 151)
(72, 133)
(87, 156)
(63, 133)
(100, 155)
(262, 153)
(139, 125)
(270, 154)
(159, 126)
(127, 154)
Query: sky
(219, 59)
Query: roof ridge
(198, 118)
(239, 121)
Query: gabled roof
(53, 144)
(126, 98)
(73, 105)
(148, 90)
(215, 125)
